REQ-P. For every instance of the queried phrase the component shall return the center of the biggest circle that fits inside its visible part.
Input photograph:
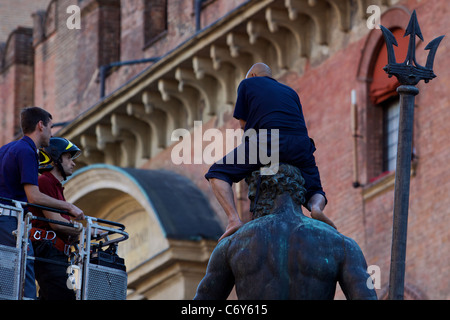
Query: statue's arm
(219, 280)
(353, 273)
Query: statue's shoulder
(253, 233)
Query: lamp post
(408, 73)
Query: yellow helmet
(51, 155)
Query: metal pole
(401, 193)
(408, 73)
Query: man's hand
(242, 124)
(35, 196)
(316, 204)
(76, 212)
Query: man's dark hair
(30, 117)
(288, 179)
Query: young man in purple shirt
(265, 104)
(19, 164)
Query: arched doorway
(172, 228)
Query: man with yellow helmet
(52, 241)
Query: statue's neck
(284, 202)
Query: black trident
(408, 73)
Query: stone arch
(169, 221)
(396, 17)
(102, 189)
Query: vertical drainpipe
(198, 11)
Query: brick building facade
(197, 53)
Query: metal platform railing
(95, 271)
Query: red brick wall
(103, 24)
(428, 258)
(7, 105)
(18, 13)
(56, 61)
(325, 95)
(16, 81)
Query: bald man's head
(259, 70)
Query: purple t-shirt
(19, 164)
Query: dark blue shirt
(265, 103)
(19, 164)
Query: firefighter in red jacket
(52, 241)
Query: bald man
(264, 103)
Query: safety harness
(38, 234)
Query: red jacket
(49, 185)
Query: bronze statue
(281, 253)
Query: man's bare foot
(232, 228)
(317, 214)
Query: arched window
(382, 87)
(384, 98)
(378, 106)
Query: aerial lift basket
(95, 271)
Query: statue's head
(287, 179)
